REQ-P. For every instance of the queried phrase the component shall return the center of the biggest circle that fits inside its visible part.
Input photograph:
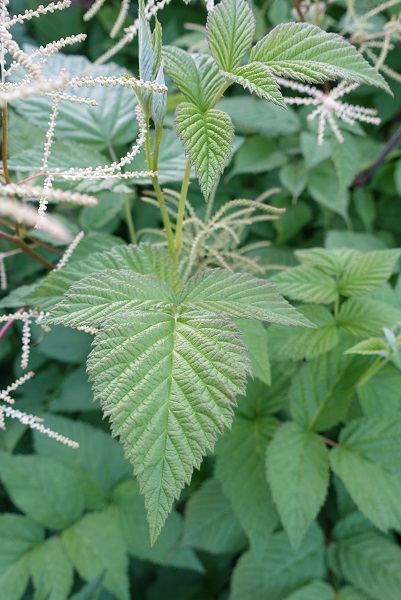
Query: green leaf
(298, 473)
(367, 463)
(90, 591)
(256, 78)
(240, 466)
(207, 137)
(306, 52)
(254, 336)
(317, 590)
(322, 389)
(144, 259)
(332, 262)
(95, 545)
(103, 295)
(280, 569)
(99, 460)
(230, 29)
(51, 569)
(239, 295)
(140, 371)
(347, 159)
(130, 511)
(380, 394)
(368, 272)
(372, 346)
(197, 77)
(370, 562)
(46, 490)
(18, 536)
(299, 343)
(257, 155)
(350, 593)
(309, 284)
(210, 524)
(364, 317)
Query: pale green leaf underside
(230, 29)
(256, 78)
(368, 463)
(207, 137)
(168, 385)
(306, 283)
(303, 51)
(298, 473)
(372, 346)
(195, 76)
(239, 295)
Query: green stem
(26, 248)
(4, 144)
(158, 138)
(219, 93)
(159, 196)
(373, 369)
(128, 219)
(181, 206)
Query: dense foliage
(233, 307)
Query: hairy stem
(181, 206)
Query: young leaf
(230, 29)
(332, 262)
(46, 490)
(306, 52)
(368, 272)
(298, 473)
(239, 295)
(108, 293)
(364, 317)
(95, 545)
(365, 461)
(210, 524)
(279, 569)
(309, 284)
(140, 369)
(207, 137)
(256, 78)
(369, 561)
(372, 346)
(240, 466)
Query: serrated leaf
(299, 343)
(332, 262)
(368, 272)
(95, 545)
(144, 259)
(298, 472)
(372, 346)
(254, 336)
(51, 569)
(370, 562)
(207, 137)
(230, 29)
(306, 52)
(149, 384)
(240, 466)
(210, 524)
(309, 284)
(239, 295)
(47, 491)
(279, 569)
(362, 317)
(196, 76)
(322, 389)
(367, 461)
(108, 293)
(256, 78)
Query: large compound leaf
(306, 52)
(298, 473)
(195, 76)
(239, 295)
(258, 80)
(230, 29)
(168, 384)
(368, 272)
(306, 283)
(207, 137)
(368, 463)
(279, 569)
(368, 560)
(106, 294)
